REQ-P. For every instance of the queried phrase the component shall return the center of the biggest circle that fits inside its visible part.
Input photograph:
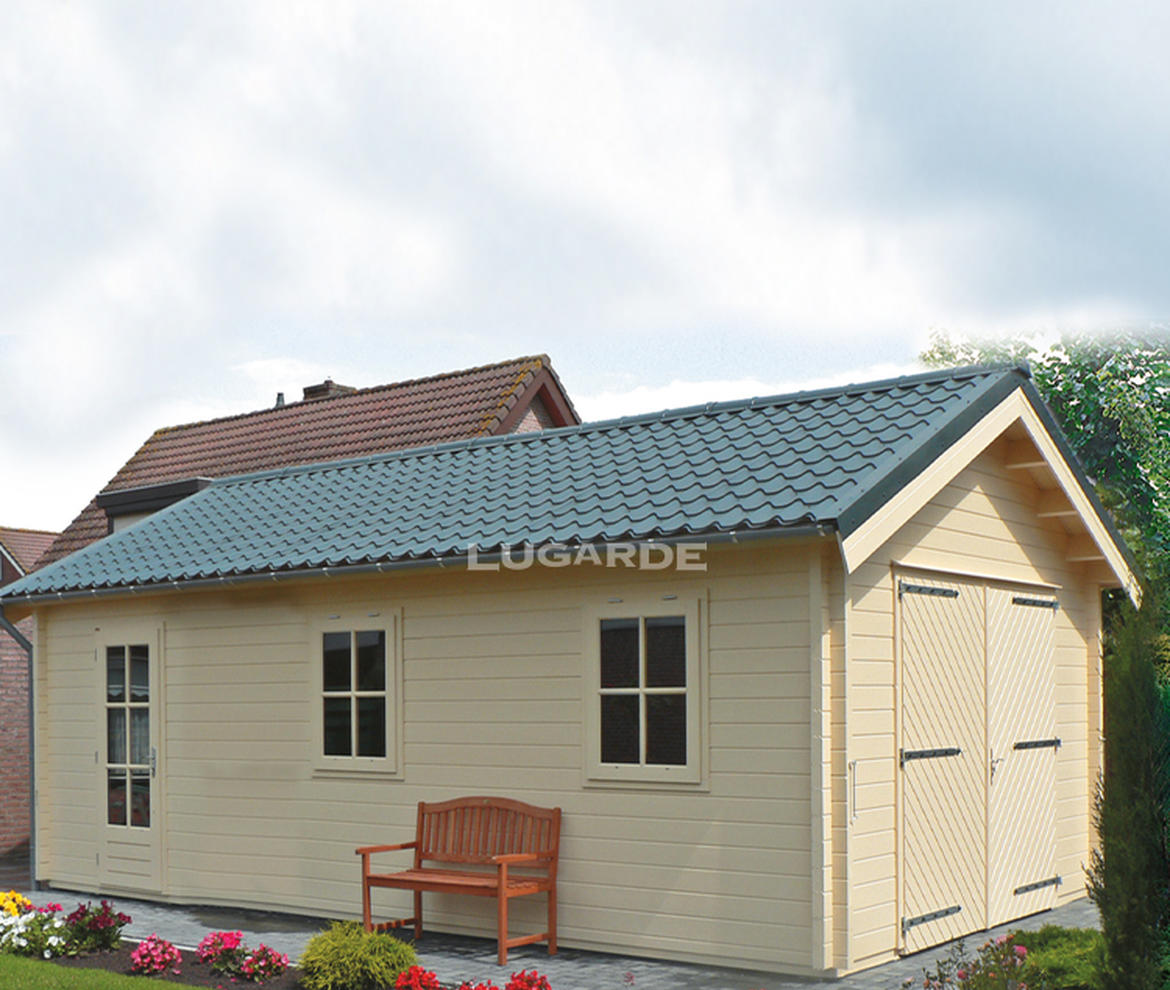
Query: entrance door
(942, 761)
(1022, 748)
(127, 766)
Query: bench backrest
(474, 829)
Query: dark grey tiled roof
(828, 457)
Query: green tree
(1110, 392)
(1127, 875)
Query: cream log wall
(984, 523)
(493, 703)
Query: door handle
(153, 761)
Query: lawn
(19, 973)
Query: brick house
(19, 552)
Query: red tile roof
(453, 406)
(25, 546)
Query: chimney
(279, 399)
(328, 389)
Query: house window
(355, 693)
(645, 704)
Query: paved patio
(456, 958)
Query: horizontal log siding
(493, 689)
(983, 522)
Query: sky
(202, 204)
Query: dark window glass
(666, 729)
(338, 741)
(139, 673)
(619, 653)
(371, 661)
(140, 798)
(115, 735)
(619, 728)
(371, 726)
(115, 673)
(116, 797)
(337, 661)
(666, 652)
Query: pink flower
(1021, 951)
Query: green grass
(21, 973)
(1069, 958)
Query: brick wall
(14, 769)
(536, 417)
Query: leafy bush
(155, 955)
(1065, 958)
(35, 932)
(97, 929)
(998, 965)
(262, 964)
(223, 951)
(347, 957)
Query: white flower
(48, 954)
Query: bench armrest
(516, 858)
(366, 850)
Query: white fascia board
(863, 542)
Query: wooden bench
(472, 834)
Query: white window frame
(643, 607)
(388, 622)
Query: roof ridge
(162, 430)
(25, 529)
(684, 412)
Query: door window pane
(139, 674)
(116, 797)
(336, 663)
(139, 736)
(619, 728)
(619, 653)
(115, 735)
(666, 651)
(371, 661)
(140, 798)
(371, 726)
(338, 741)
(115, 673)
(666, 729)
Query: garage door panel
(1022, 750)
(941, 758)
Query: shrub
(35, 932)
(223, 951)
(263, 964)
(1127, 873)
(155, 955)
(998, 965)
(93, 929)
(417, 978)
(347, 957)
(1065, 958)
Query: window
(129, 756)
(645, 703)
(356, 698)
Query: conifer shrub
(347, 957)
(1127, 874)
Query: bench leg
(367, 915)
(417, 915)
(552, 921)
(502, 929)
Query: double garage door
(977, 757)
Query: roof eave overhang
(870, 523)
(447, 562)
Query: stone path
(456, 958)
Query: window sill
(354, 773)
(635, 783)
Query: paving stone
(457, 958)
